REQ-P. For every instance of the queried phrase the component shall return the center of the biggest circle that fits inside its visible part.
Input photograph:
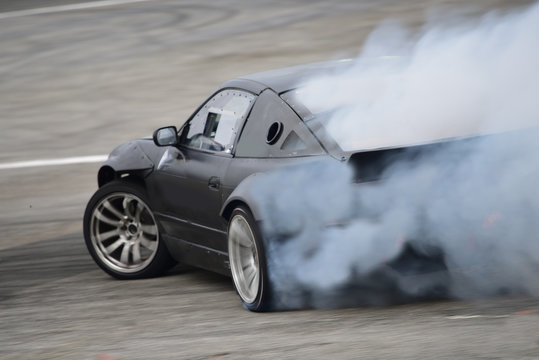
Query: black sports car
(183, 195)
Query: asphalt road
(79, 82)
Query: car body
(184, 196)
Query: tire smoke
(472, 205)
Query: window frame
(240, 124)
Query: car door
(188, 179)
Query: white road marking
(464, 317)
(54, 162)
(63, 8)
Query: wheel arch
(127, 160)
(226, 213)
(105, 175)
(243, 195)
(108, 174)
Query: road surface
(78, 78)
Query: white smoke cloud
(329, 241)
(477, 78)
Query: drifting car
(183, 195)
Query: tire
(122, 234)
(247, 259)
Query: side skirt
(198, 255)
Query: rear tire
(122, 234)
(248, 261)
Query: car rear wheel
(247, 261)
(122, 234)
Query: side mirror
(166, 136)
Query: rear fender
(243, 195)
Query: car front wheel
(122, 234)
(247, 261)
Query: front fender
(128, 157)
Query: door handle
(214, 183)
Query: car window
(215, 126)
(274, 130)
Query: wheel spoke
(232, 232)
(253, 278)
(102, 217)
(115, 245)
(128, 205)
(243, 239)
(125, 254)
(107, 235)
(249, 273)
(107, 205)
(147, 243)
(138, 211)
(149, 229)
(136, 253)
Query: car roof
(284, 79)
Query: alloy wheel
(244, 261)
(124, 232)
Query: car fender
(243, 194)
(126, 158)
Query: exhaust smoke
(460, 219)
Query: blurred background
(78, 78)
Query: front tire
(122, 234)
(248, 261)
